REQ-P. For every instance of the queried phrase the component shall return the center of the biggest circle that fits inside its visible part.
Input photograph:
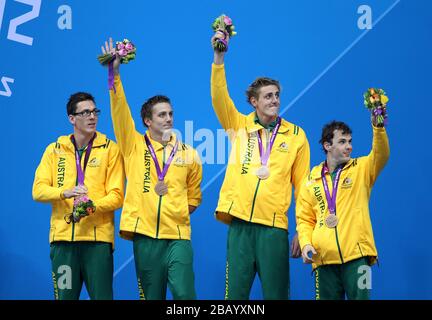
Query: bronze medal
(161, 188)
(263, 172)
(331, 221)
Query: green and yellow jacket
(353, 237)
(145, 212)
(243, 195)
(104, 178)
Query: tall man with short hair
(81, 251)
(163, 189)
(269, 156)
(333, 222)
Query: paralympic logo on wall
(64, 23)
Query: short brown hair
(254, 87)
(76, 98)
(328, 130)
(147, 107)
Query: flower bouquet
(82, 207)
(225, 25)
(376, 101)
(125, 49)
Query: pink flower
(227, 21)
(120, 46)
(129, 46)
(122, 52)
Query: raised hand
(220, 34)
(109, 48)
(218, 55)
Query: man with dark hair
(85, 163)
(269, 156)
(329, 130)
(147, 107)
(163, 189)
(332, 211)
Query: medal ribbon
(331, 199)
(111, 76)
(265, 156)
(80, 171)
(161, 174)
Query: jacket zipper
(160, 197)
(336, 232)
(267, 133)
(338, 246)
(73, 230)
(158, 219)
(254, 198)
(76, 183)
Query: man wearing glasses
(83, 165)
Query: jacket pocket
(183, 231)
(52, 234)
(324, 242)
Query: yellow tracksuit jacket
(145, 212)
(243, 195)
(104, 178)
(353, 236)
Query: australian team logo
(179, 162)
(283, 147)
(347, 183)
(95, 162)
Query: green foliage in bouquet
(224, 24)
(125, 49)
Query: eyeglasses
(87, 113)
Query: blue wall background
(317, 51)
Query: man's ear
(253, 101)
(71, 119)
(147, 122)
(327, 146)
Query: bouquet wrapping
(126, 50)
(223, 24)
(376, 101)
(82, 207)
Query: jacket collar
(66, 141)
(271, 126)
(159, 146)
(316, 171)
(252, 125)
